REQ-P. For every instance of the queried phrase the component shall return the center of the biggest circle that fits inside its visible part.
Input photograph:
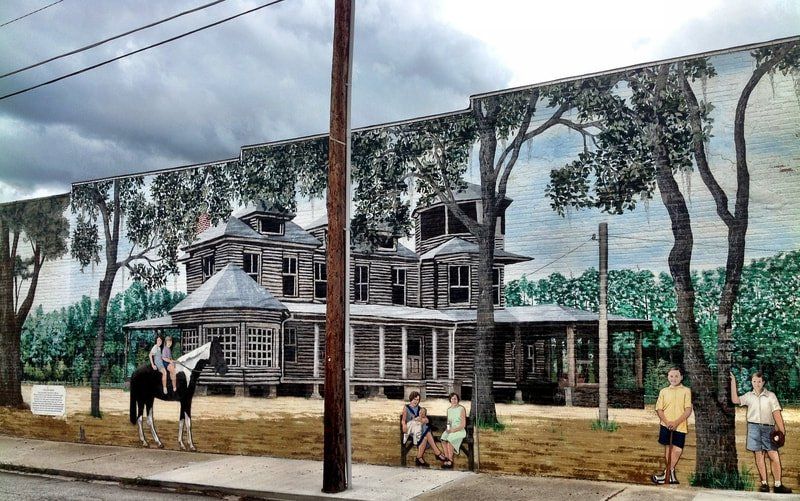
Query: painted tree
(435, 154)
(655, 134)
(152, 221)
(41, 225)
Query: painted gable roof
(457, 245)
(230, 287)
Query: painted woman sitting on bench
(411, 412)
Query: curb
(180, 487)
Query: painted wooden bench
(437, 425)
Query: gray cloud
(262, 77)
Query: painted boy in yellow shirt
(674, 406)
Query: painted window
(399, 286)
(190, 339)
(454, 225)
(320, 280)
(229, 339)
(361, 283)
(440, 221)
(208, 267)
(385, 243)
(459, 284)
(289, 276)
(496, 285)
(432, 222)
(270, 226)
(290, 345)
(251, 264)
(261, 347)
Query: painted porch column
(518, 356)
(315, 387)
(316, 350)
(381, 351)
(433, 347)
(404, 351)
(451, 355)
(571, 355)
(352, 341)
(571, 361)
(518, 369)
(381, 359)
(637, 361)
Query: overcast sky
(266, 76)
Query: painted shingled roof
(151, 323)
(231, 228)
(547, 314)
(458, 245)
(230, 287)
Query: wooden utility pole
(335, 471)
(602, 326)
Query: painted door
(414, 358)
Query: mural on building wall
(473, 260)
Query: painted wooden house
(259, 282)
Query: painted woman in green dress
(455, 433)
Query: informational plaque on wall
(48, 400)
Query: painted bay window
(261, 347)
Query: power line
(698, 244)
(91, 46)
(593, 237)
(29, 13)
(140, 50)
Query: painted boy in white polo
(763, 416)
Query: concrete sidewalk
(274, 478)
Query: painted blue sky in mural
(266, 76)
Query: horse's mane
(188, 361)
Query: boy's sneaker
(764, 488)
(781, 489)
(659, 478)
(673, 479)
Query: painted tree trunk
(716, 447)
(483, 408)
(97, 364)
(10, 363)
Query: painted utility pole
(336, 456)
(602, 326)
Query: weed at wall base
(720, 479)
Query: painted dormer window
(386, 243)
(438, 221)
(270, 226)
(208, 266)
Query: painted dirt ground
(537, 440)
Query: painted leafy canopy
(620, 168)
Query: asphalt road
(19, 487)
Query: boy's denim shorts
(678, 437)
(758, 437)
